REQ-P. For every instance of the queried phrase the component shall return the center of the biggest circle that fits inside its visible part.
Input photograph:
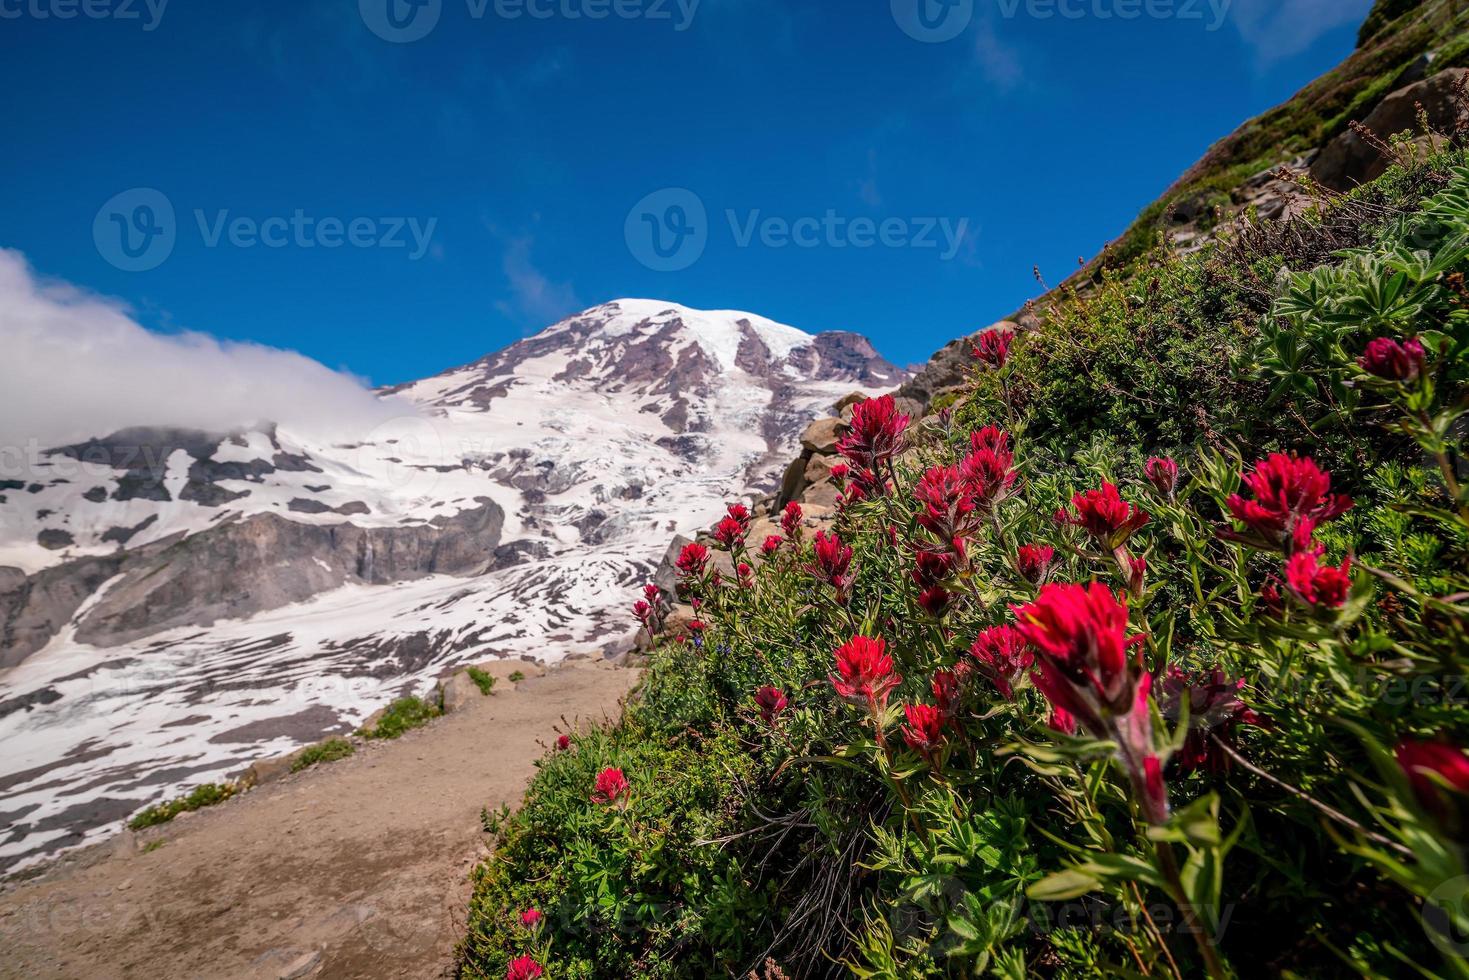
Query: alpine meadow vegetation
(1145, 655)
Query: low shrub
(201, 796)
(329, 751)
(482, 680)
(404, 714)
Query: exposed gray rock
(54, 539)
(1348, 160)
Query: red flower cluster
(745, 575)
(948, 511)
(833, 564)
(924, 732)
(947, 692)
(523, 968)
(531, 918)
(563, 743)
(1292, 496)
(611, 787)
(876, 437)
(1003, 656)
(729, 533)
(1033, 562)
(993, 347)
(771, 701)
(1105, 516)
(692, 560)
(790, 521)
(651, 610)
(931, 570)
(1315, 584)
(1085, 668)
(865, 674)
(1214, 709)
(1389, 360)
(771, 545)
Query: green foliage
(483, 680)
(328, 751)
(201, 796)
(516, 676)
(404, 714)
(1292, 843)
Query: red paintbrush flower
(833, 564)
(1105, 515)
(1003, 656)
(1162, 473)
(947, 692)
(729, 534)
(740, 513)
(1315, 584)
(1085, 667)
(1061, 721)
(948, 506)
(932, 568)
(876, 434)
(745, 575)
(692, 560)
(611, 787)
(772, 701)
(1214, 710)
(790, 520)
(865, 673)
(771, 545)
(1389, 360)
(924, 732)
(563, 742)
(531, 918)
(991, 437)
(1291, 494)
(523, 968)
(990, 475)
(1033, 562)
(935, 601)
(993, 347)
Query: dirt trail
(356, 868)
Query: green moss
(329, 751)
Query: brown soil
(355, 868)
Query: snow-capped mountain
(175, 604)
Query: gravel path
(356, 868)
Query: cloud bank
(1277, 29)
(76, 366)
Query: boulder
(819, 468)
(821, 436)
(1348, 160)
(793, 482)
(847, 402)
(458, 691)
(264, 771)
(824, 495)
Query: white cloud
(76, 366)
(533, 294)
(999, 62)
(1277, 29)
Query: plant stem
(1203, 935)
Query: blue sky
(484, 180)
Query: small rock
(301, 966)
(459, 691)
(819, 468)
